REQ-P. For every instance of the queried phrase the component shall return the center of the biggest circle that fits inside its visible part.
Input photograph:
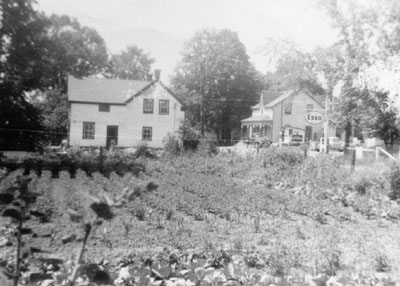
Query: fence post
(376, 153)
(353, 159)
(101, 160)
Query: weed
(253, 260)
(382, 263)
(238, 244)
(299, 233)
(395, 182)
(140, 212)
(169, 214)
(362, 186)
(172, 145)
(208, 244)
(320, 217)
(256, 223)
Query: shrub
(172, 145)
(142, 150)
(382, 263)
(207, 145)
(394, 178)
(362, 186)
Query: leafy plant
(17, 199)
(395, 182)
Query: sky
(160, 27)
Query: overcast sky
(161, 26)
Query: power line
(98, 136)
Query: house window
(288, 107)
(147, 133)
(310, 107)
(148, 105)
(164, 107)
(88, 130)
(308, 133)
(104, 107)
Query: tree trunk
(347, 136)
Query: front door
(112, 136)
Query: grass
(279, 212)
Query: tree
(217, 80)
(53, 110)
(20, 127)
(73, 50)
(23, 45)
(132, 63)
(37, 53)
(342, 63)
(22, 42)
(293, 68)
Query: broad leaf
(96, 273)
(102, 210)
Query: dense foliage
(216, 81)
(37, 53)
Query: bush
(172, 145)
(362, 186)
(395, 183)
(207, 145)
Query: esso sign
(314, 117)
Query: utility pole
(202, 89)
(326, 146)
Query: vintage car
(259, 141)
(334, 144)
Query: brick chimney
(157, 74)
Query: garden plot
(277, 214)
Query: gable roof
(287, 94)
(111, 91)
(280, 98)
(267, 96)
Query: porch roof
(257, 118)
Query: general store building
(293, 115)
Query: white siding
(130, 120)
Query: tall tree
(36, 54)
(132, 63)
(342, 63)
(23, 45)
(22, 42)
(73, 50)
(293, 68)
(218, 79)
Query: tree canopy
(215, 63)
(132, 63)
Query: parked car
(259, 141)
(334, 144)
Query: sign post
(326, 126)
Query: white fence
(378, 151)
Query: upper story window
(88, 130)
(164, 107)
(104, 107)
(310, 107)
(288, 107)
(148, 105)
